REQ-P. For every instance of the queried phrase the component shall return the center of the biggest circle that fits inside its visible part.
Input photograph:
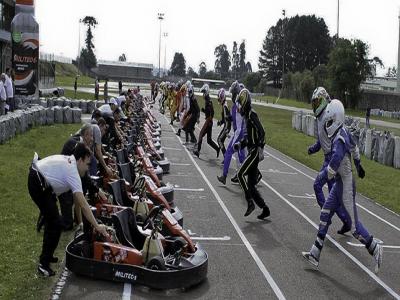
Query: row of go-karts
(147, 244)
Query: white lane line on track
(278, 172)
(179, 164)
(359, 205)
(171, 148)
(340, 247)
(306, 196)
(253, 253)
(362, 245)
(188, 190)
(126, 294)
(211, 238)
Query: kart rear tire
(156, 263)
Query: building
(125, 71)
(7, 12)
(387, 84)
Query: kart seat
(122, 156)
(128, 234)
(118, 190)
(128, 172)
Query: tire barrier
(386, 114)
(21, 121)
(382, 147)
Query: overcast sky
(195, 28)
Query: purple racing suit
(342, 193)
(239, 128)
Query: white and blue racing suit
(343, 192)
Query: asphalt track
(254, 259)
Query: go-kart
(133, 255)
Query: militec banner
(25, 60)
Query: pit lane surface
(254, 259)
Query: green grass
(378, 183)
(21, 245)
(299, 104)
(79, 95)
(83, 81)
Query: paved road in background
(254, 259)
(278, 106)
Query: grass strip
(20, 244)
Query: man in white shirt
(8, 85)
(3, 96)
(49, 178)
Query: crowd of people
(247, 142)
(67, 176)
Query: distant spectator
(3, 97)
(106, 91)
(9, 87)
(367, 115)
(120, 87)
(96, 89)
(76, 84)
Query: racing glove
(310, 150)
(359, 168)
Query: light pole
(79, 44)
(160, 17)
(337, 29)
(165, 50)
(283, 44)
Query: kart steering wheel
(152, 215)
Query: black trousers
(66, 205)
(249, 168)
(46, 201)
(221, 138)
(207, 130)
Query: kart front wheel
(156, 263)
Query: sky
(195, 28)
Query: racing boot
(345, 228)
(265, 213)
(250, 207)
(45, 270)
(376, 250)
(222, 179)
(235, 179)
(312, 256)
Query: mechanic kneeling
(48, 178)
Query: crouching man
(48, 178)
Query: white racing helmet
(334, 117)
(205, 89)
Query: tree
(374, 63)
(269, 59)
(249, 68)
(122, 57)
(202, 69)
(391, 72)
(192, 73)
(252, 80)
(178, 66)
(320, 74)
(242, 58)
(87, 55)
(235, 60)
(348, 66)
(306, 44)
(222, 61)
